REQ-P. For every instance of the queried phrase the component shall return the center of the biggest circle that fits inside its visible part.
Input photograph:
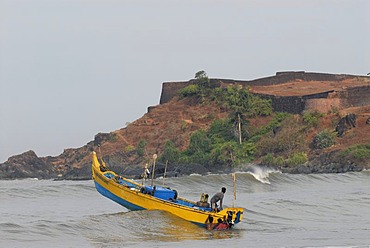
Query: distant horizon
(72, 69)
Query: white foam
(261, 173)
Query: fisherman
(203, 201)
(146, 172)
(222, 225)
(218, 197)
(209, 223)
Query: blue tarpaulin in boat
(160, 192)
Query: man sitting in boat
(218, 197)
(203, 201)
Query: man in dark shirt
(218, 197)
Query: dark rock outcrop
(331, 162)
(368, 121)
(26, 165)
(345, 123)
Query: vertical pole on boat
(165, 170)
(99, 153)
(145, 173)
(154, 158)
(239, 129)
(234, 184)
(102, 163)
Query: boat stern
(232, 215)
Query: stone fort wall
(323, 102)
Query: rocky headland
(175, 119)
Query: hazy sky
(72, 68)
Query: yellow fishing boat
(135, 196)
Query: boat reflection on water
(147, 226)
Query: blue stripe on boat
(115, 198)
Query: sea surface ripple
(281, 210)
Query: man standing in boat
(218, 197)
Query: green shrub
(190, 90)
(323, 139)
(279, 117)
(268, 159)
(184, 159)
(200, 158)
(279, 161)
(244, 153)
(223, 153)
(288, 139)
(202, 79)
(112, 137)
(311, 119)
(217, 95)
(361, 152)
(232, 153)
(255, 138)
(184, 125)
(258, 106)
(129, 148)
(198, 150)
(140, 149)
(170, 153)
(221, 130)
(240, 100)
(297, 159)
(199, 142)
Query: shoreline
(305, 169)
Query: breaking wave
(260, 173)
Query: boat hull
(117, 199)
(130, 195)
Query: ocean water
(281, 210)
